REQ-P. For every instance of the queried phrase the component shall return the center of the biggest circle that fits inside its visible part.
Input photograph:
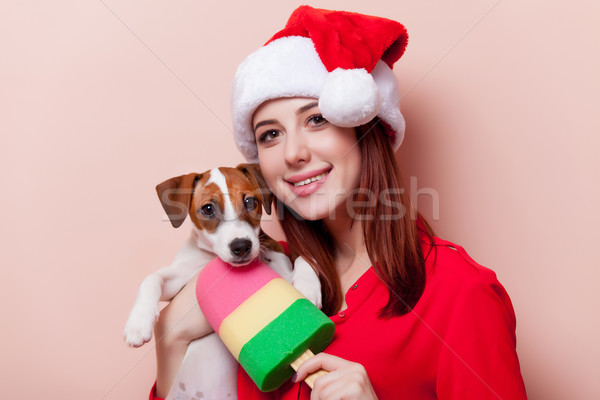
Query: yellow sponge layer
(256, 312)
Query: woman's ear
(254, 174)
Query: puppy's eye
(208, 210)
(250, 203)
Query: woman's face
(308, 163)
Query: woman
(416, 317)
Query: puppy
(225, 206)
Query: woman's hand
(180, 322)
(345, 380)
(182, 319)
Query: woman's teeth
(309, 180)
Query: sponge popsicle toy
(263, 320)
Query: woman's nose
(296, 149)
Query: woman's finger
(346, 379)
(311, 365)
(323, 361)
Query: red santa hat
(343, 59)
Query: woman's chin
(310, 215)
(322, 210)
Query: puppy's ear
(253, 173)
(175, 195)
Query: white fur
(219, 179)
(286, 67)
(291, 67)
(208, 368)
(349, 97)
(231, 227)
(390, 100)
(303, 279)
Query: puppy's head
(225, 205)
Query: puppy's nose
(240, 247)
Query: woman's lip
(309, 188)
(306, 175)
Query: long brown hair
(389, 226)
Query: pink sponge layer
(221, 288)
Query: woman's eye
(269, 135)
(208, 210)
(316, 119)
(250, 203)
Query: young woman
(416, 317)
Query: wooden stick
(310, 379)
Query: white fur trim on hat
(290, 67)
(349, 97)
(390, 101)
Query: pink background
(102, 100)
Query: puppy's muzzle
(240, 247)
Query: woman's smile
(307, 183)
(311, 165)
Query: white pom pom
(349, 97)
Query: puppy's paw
(279, 263)
(138, 329)
(311, 293)
(305, 279)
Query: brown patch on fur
(268, 243)
(242, 182)
(175, 196)
(262, 191)
(203, 195)
(241, 188)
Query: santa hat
(343, 59)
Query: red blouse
(458, 343)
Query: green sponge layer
(268, 355)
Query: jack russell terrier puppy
(225, 206)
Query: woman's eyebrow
(265, 122)
(307, 107)
(298, 112)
